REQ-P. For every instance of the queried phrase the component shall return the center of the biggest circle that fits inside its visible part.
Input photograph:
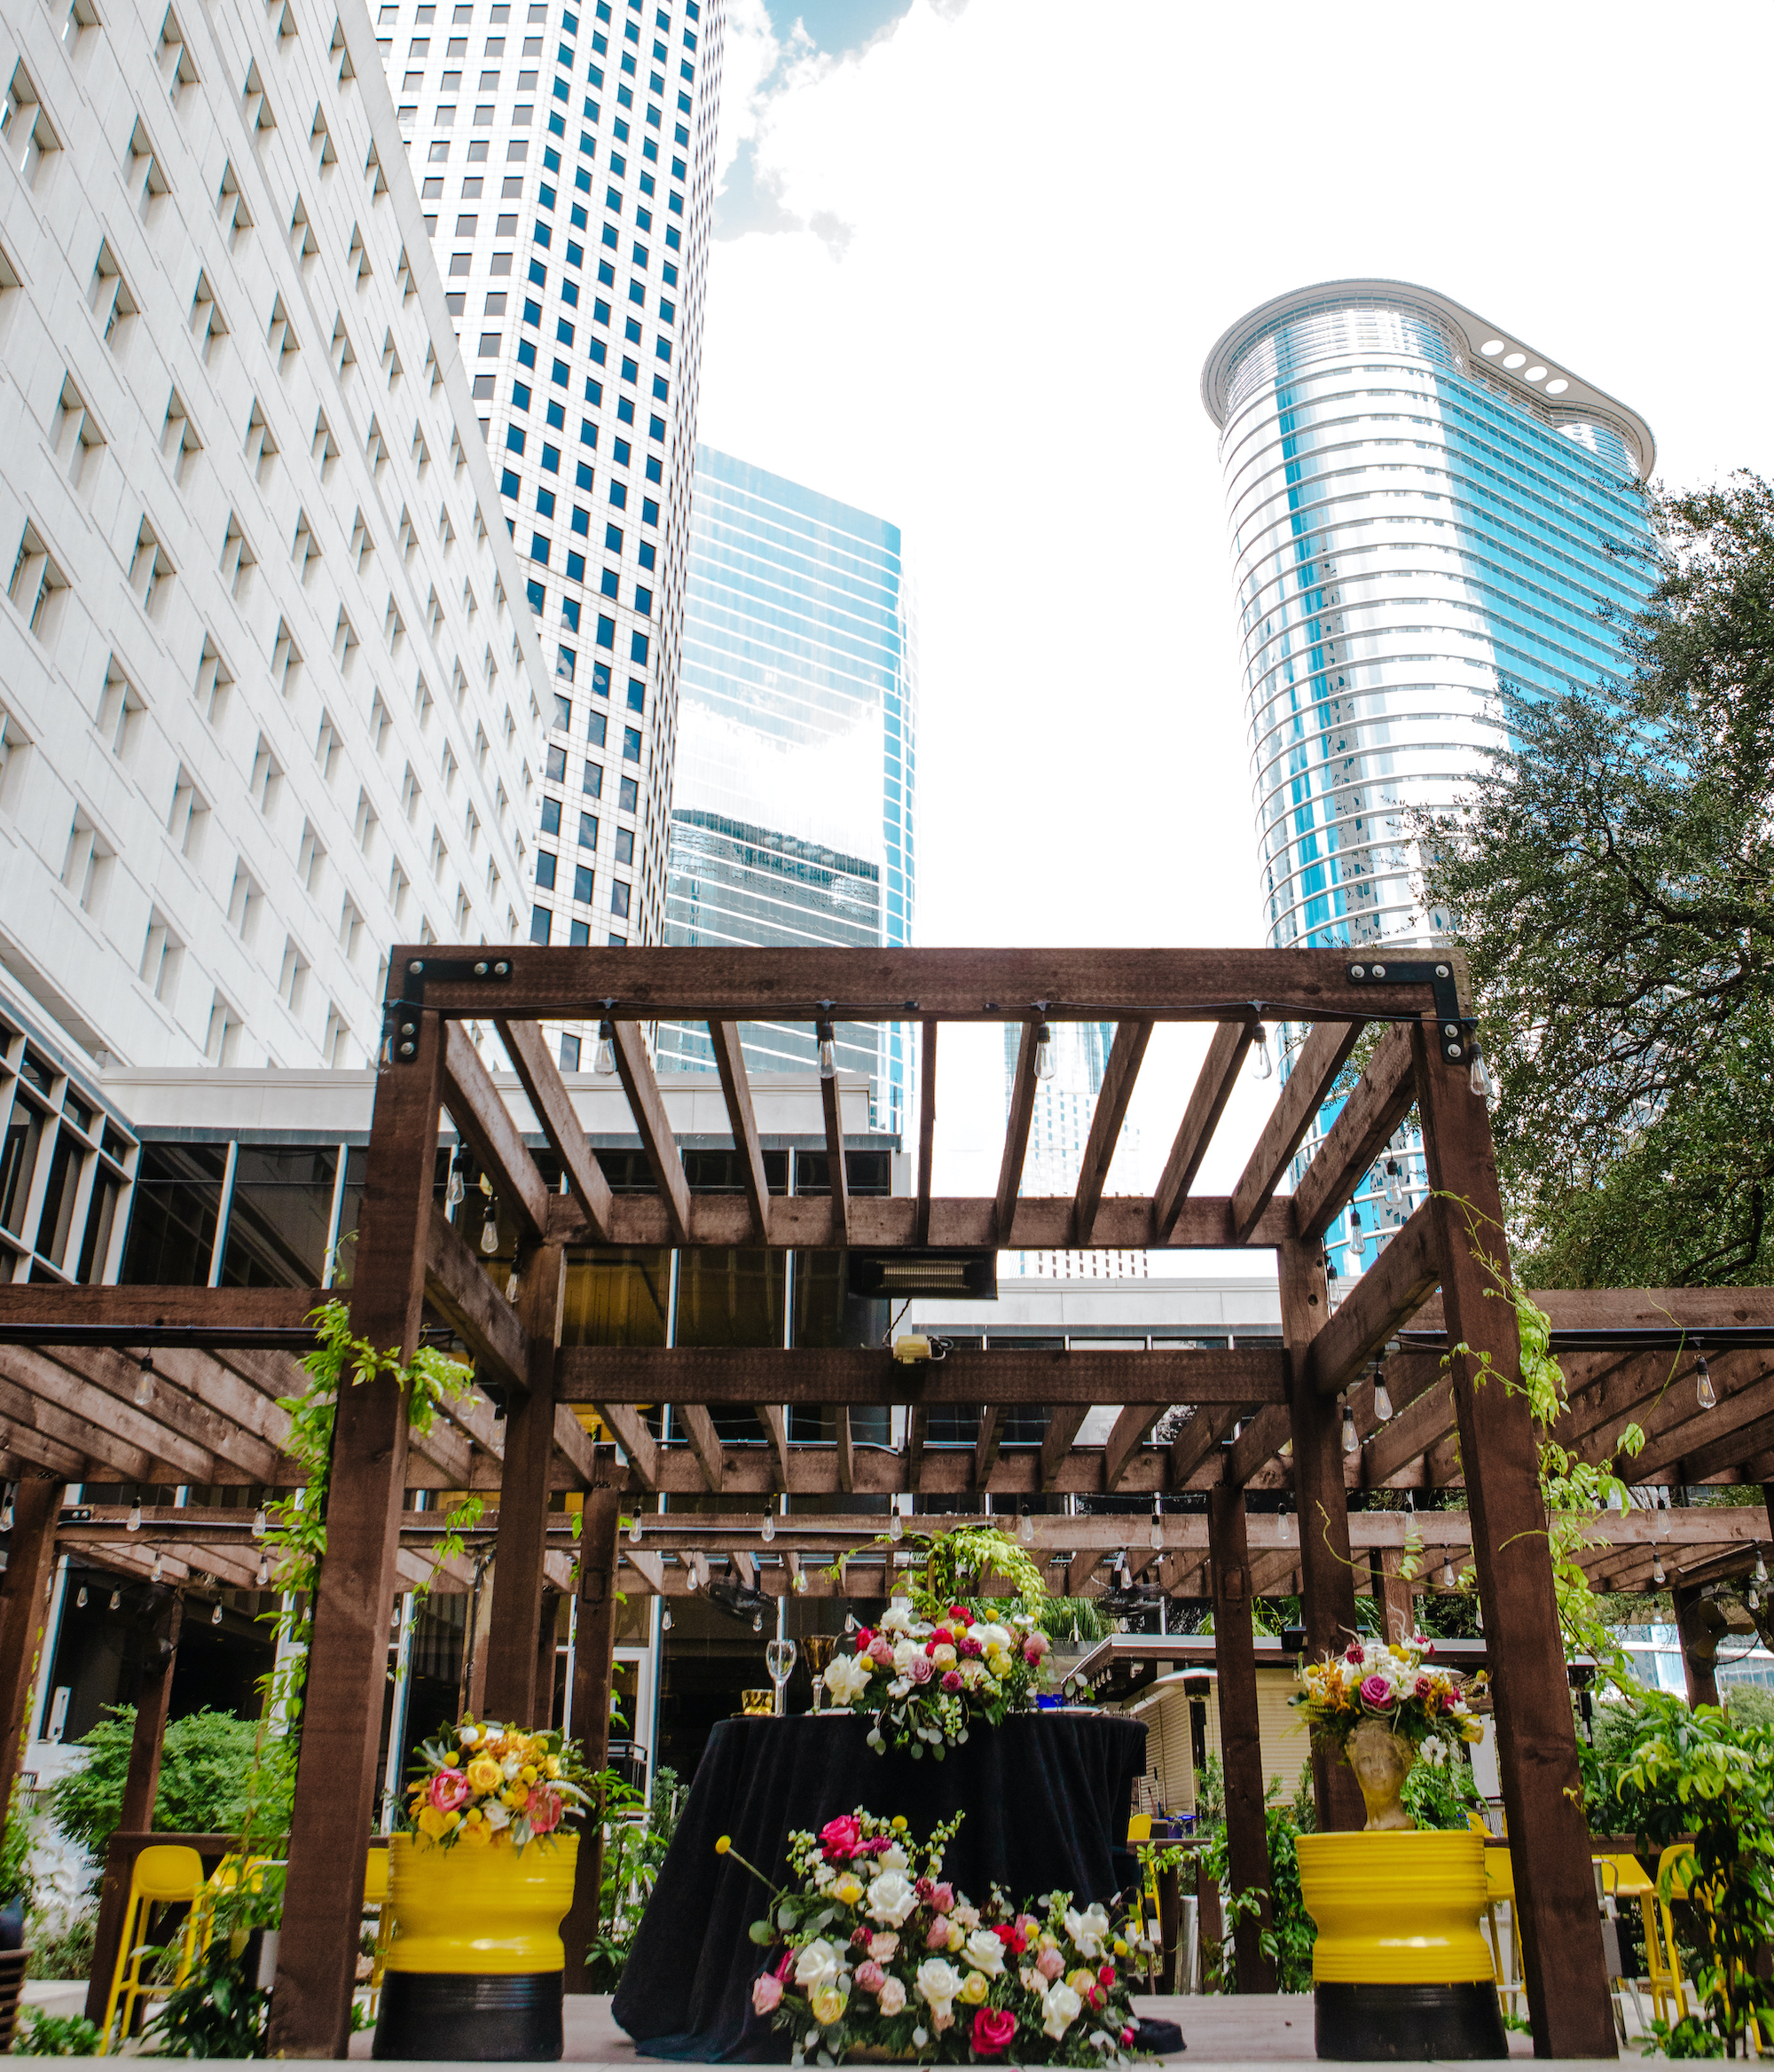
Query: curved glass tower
(1421, 508)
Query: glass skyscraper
(1421, 509)
(794, 806)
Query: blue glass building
(1421, 509)
(795, 792)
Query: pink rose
(969, 1649)
(883, 1946)
(992, 2029)
(893, 1997)
(951, 1680)
(921, 1669)
(544, 1808)
(449, 1789)
(785, 1968)
(865, 1640)
(936, 1937)
(1050, 1963)
(1126, 2036)
(870, 1976)
(1353, 1652)
(942, 1898)
(859, 1938)
(766, 1992)
(1376, 1692)
(1423, 1687)
(879, 1652)
(940, 2021)
(839, 1837)
(1035, 1646)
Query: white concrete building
(268, 698)
(566, 154)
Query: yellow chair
(165, 1874)
(1139, 1832)
(1676, 1880)
(376, 1895)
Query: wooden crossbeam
(1064, 1420)
(1320, 1058)
(774, 1420)
(1414, 1429)
(551, 1104)
(643, 1450)
(1678, 1431)
(1206, 1104)
(737, 1090)
(1127, 1053)
(45, 1313)
(646, 1105)
(1258, 1443)
(1605, 1388)
(480, 1115)
(1200, 1440)
(846, 1450)
(1383, 1096)
(115, 1445)
(837, 1166)
(1023, 1083)
(1081, 1568)
(987, 1442)
(459, 1288)
(1250, 1372)
(649, 1568)
(1387, 1295)
(744, 1567)
(24, 1445)
(180, 1385)
(1129, 1432)
(917, 1431)
(1718, 1456)
(704, 1443)
(926, 1128)
(572, 1441)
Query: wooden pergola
(76, 1401)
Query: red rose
(992, 2029)
(1126, 2036)
(839, 1838)
(863, 1639)
(1353, 1652)
(858, 1936)
(942, 1638)
(1011, 1934)
(1107, 1974)
(956, 1616)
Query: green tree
(206, 1775)
(1613, 878)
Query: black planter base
(1366, 2023)
(470, 2017)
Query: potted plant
(479, 1887)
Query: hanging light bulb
(895, 1528)
(758, 1622)
(634, 1532)
(511, 1286)
(768, 1529)
(1265, 1063)
(145, 1387)
(605, 1059)
(7, 1519)
(80, 1598)
(827, 1040)
(1479, 1080)
(1025, 1530)
(1044, 1051)
(1394, 1193)
(800, 1583)
(455, 1186)
(1156, 1535)
(1478, 1615)
(260, 1522)
(1284, 1523)
(1761, 1574)
(665, 1620)
(1351, 1437)
(490, 1230)
(136, 1516)
(116, 1599)
(1704, 1394)
(265, 1571)
(1753, 1598)
(157, 1568)
(216, 1616)
(1382, 1396)
(1447, 1575)
(1657, 1574)
(1411, 1501)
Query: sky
(968, 258)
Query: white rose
(990, 1636)
(905, 1653)
(894, 1859)
(891, 1897)
(897, 1618)
(938, 1984)
(984, 1952)
(1060, 2009)
(817, 1964)
(498, 1816)
(1087, 1929)
(847, 1679)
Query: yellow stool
(1500, 1891)
(376, 1895)
(165, 1874)
(1676, 1879)
(1138, 1831)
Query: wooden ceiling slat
(775, 1423)
(551, 1104)
(1729, 1453)
(574, 1443)
(27, 1411)
(1321, 1057)
(176, 1401)
(1207, 1102)
(458, 1287)
(1677, 1429)
(846, 1450)
(987, 1443)
(643, 1450)
(743, 1119)
(1129, 1432)
(704, 1443)
(837, 1166)
(1064, 1420)
(1258, 1443)
(1023, 1083)
(1127, 1053)
(927, 1129)
(1386, 1296)
(1200, 1440)
(646, 1106)
(483, 1119)
(1383, 1096)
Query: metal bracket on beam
(400, 1031)
(1458, 1032)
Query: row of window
(579, 936)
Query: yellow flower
(518, 1797)
(828, 2005)
(482, 1834)
(483, 1775)
(723, 1845)
(1081, 1981)
(973, 1989)
(898, 1823)
(431, 1822)
(552, 1766)
(848, 1889)
(1120, 1947)
(528, 1773)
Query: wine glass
(819, 1648)
(778, 1658)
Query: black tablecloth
(1046, 1797)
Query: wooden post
(24, 1612)
(1698, 1627)
(592, 1656)
(547, 1654)
(475, 1640)
(510, 1646)
(1170, 1915)
(1327, 1567)
(1240, 1742)
(141, 1787)
(1392, 1593)
(1568, 2004)
(341, 1710)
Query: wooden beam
(1315, 1066)
(1240, 1735)
(1130, 1432)
(593, 1660)
(75, 1406)
(774, 1420)
(986, 1445)
(26, 1412)
(574, 1443)
(182, 1385)
(1385, 1297)
(846, 1451)
(1383, 1096)
(1676, 1427)
(704, 1443)
(1021, 1113)
(917, 1430)
(1412, 1432)
(478, 1109)
(744, 1566)
(1206, 1104)
(1258, 1444)
(649, 1568)
(736, 1089)
(552, 1107)
(1730, 1452)
(460, 1290)
(24, 1612)
(643, 1450)
(1247, 1373)
(1080, 1569)
(1126, 1056)
(47, 1456)
(646, 1105)
(1200, 1439)
(1064, 1420)
(46, 1313)
(926, 1128)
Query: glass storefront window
(617, 1297)
(172, 1225)
(18, 1164)
(280, 1216)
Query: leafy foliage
(40, 2035)
(15, 1850)
(1613, 878)
(206, 1762)
(1289, 1938)
(633, 1856)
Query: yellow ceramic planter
(491, 1911)
(1396, 1908)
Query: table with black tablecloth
(1046, 1797)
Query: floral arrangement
(492, 1783)
(876, 1951)
(1393, 1682)
(928, 1680)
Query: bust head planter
(1376, 1703)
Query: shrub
(55, 2036)
(206, 1774)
